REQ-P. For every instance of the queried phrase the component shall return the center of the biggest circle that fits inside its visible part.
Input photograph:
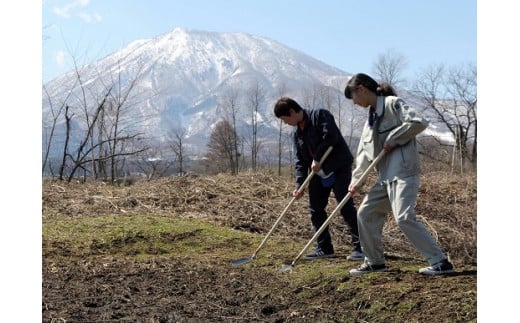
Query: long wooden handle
(340, 205)
(308, 179)
(302, 187)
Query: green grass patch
(139, 236)
(145, 236)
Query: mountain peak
(184, 76)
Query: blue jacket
(311, 143)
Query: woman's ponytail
(385, 89)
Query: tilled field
(99, 287)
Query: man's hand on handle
(352, 189)
(297, 194)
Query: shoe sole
(433, 273)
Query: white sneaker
(356, 256)
(440, 268)
(366, 269)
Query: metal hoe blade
(241, 261)
(286, 268)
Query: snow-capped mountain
(181, 80)
(184, 80)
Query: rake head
(241, 261)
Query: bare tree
(229, 103)
(451, 95)
(119, 105)
(66, 143)
(356, 118)
(89, 119)
(348, 118)
(389, 66)
(255, 98)
(221, 148)
(462, 87)
(177, 145)
(313, 97)
(111, 140)
(80, 158)
(332, 100)
(281, 89)
(49, 130)
(153, 162)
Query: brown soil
(179, 288)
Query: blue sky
(344, 33)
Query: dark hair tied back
(369, 83)
(386, 89)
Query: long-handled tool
(245, 260)
(286, 268)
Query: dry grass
(253, 201)
(160, 251)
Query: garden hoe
(286, 268)
(245, 260)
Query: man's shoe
(366, 269)
(442, 267)
(318, 254)
(356, 256)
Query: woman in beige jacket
(392, 125)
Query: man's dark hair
(283, 106)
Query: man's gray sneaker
(318, 254)
(366, 269)
(442, 267)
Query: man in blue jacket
(315, 131)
